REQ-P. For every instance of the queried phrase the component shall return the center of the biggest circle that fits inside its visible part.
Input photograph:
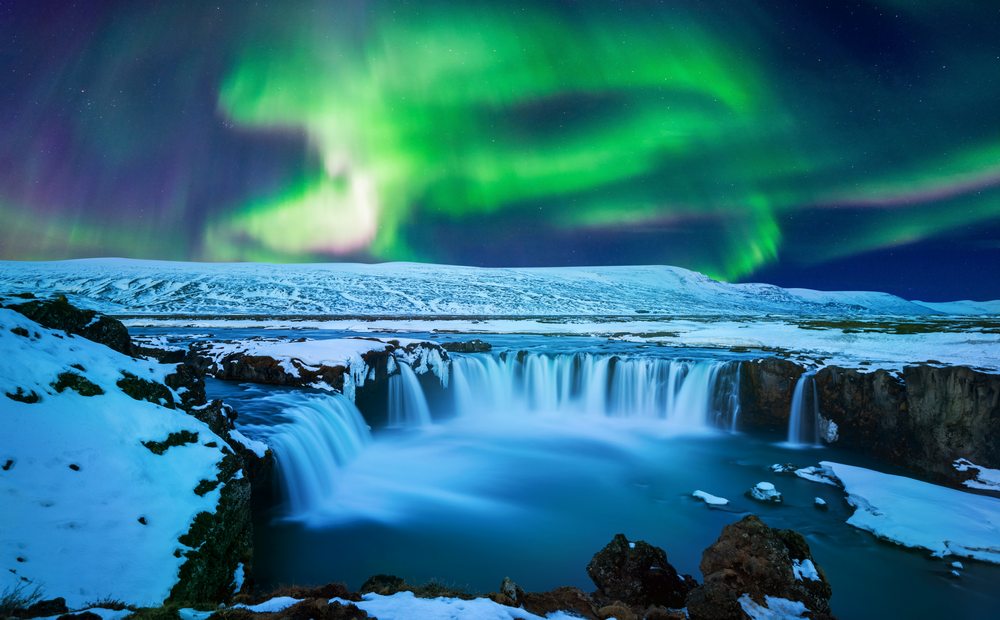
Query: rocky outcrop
(637, 574)
(923, 418)
(954, 412)
(766, 388)
(468, 346)
(758, 561)
(58, 313)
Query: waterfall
(688, 394)
(407, 403)
(316, 436)
(803, 419)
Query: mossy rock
(58, 313)
(78, 383)
(179, 438)
(144, 389)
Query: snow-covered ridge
(124, 286)
(90, 511)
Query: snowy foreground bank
(93, 506)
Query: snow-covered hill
(98, 488)
(394, 289)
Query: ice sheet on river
(919, 514)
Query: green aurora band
(717, 135)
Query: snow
(986, 479)
(957, 565)
(866, 350)
(397, 289)
(332, 352)
(819, 501)
(817, 474)
(774, 608)
(805, 569)
(239, 575)
(257, 447)
(270, 606)
(765, 492)
(406, 606)
(59, 519)
(923, 515)
(710, 499)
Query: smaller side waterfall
(407, 403)
(322, 433)
(803, 419)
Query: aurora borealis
(849, 146)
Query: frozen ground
(815, 346)
(400, 289)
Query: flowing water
(530, 462)
(803, 419)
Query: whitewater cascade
(407, 403)
(803, 419)
(688, 394)
(318, 434)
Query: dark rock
(383, 584)
(58, 313)
(179, 438)
(29, 397)
(512, 591)
(144, 389)
(618, 611)
(766, 388)
(751, 558)
(309, 609)
(954, 412)
(328, 591)
(217, 542)
(49, 607)
(189, 380)
(19, 331)
(567, 599)
(637, 574)
(869, 409)
(83, 615)
(469, 346)
(78, 383)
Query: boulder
(752, 559)
(58, 313)
(637, 574)
(572, 600)
(469, 346)
(765, 492)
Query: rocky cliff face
(923, 418)
(766, 387)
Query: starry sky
(840, 145)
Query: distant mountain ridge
(126, 286)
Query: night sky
(834, 145)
